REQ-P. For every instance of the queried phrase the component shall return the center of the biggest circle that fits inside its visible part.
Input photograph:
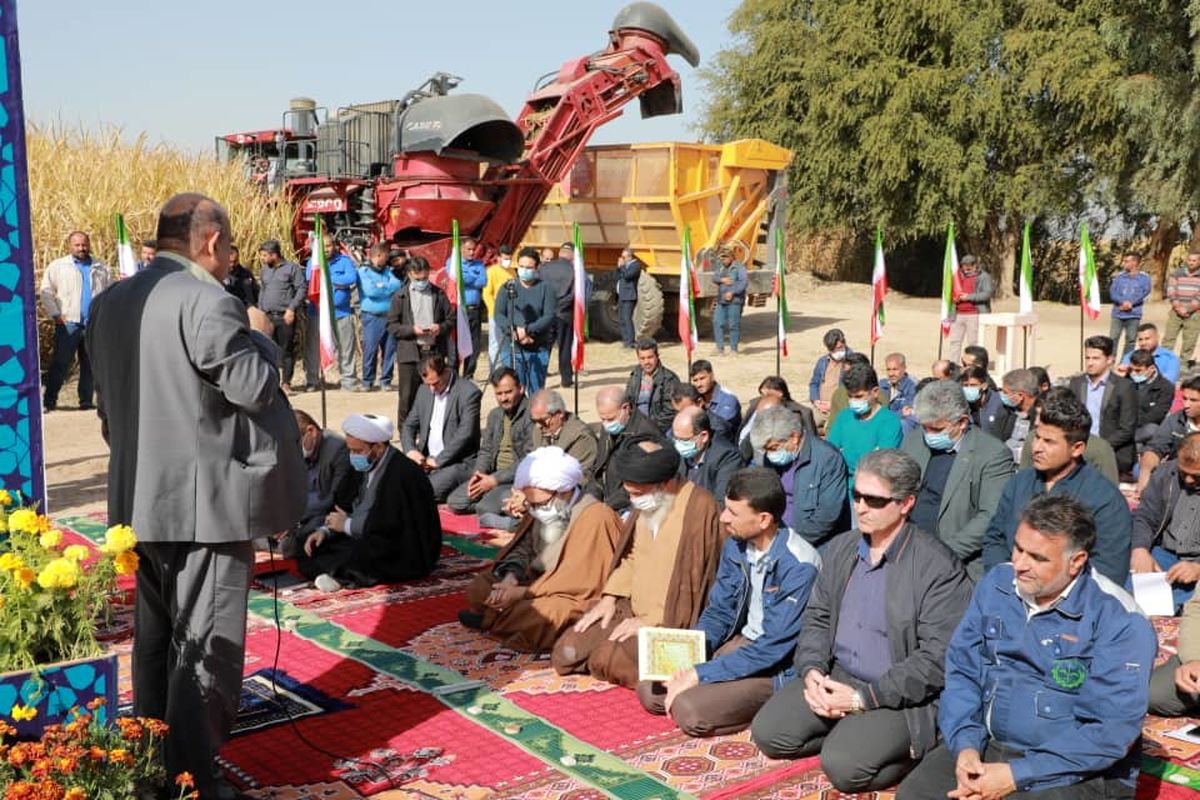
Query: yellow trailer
(644, 196)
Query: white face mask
(650, 501)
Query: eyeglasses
(542, 422)
(871, 500)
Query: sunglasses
(871, 500)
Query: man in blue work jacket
(752, 618)
(376, 285)
(1047, 676)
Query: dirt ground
(77, 458)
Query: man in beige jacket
(69, 285)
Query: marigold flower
(6, 498)
(24, 520)
(118, 539)
(24, 577)
(6, 729)
(120, 756)
(51, 539)
(23, 713)
(95, 703)
(61, 573)
(10, 562)
(157, 727)
(185, 780)
(126, 563)
(75, 552)
(96, 753)
(75, 793)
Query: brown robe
(692, 575)
(556, 599)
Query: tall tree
(912, 113)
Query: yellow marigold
(51, 539)
(120, 756)
(75, 552)
(126, 563)
(24, 577)
(24, 520)
(61, 573)
(118, 539)
(23, 713)
(10, 562)
(75, 793)
(6, 498)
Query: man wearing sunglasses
(869, 660)
(963, 472)
(1060, 440)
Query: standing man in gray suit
(205, 456)
(441, 431)
(963, 472)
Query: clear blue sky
(183, 72)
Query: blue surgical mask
(859, 406)
(360, 462)
(781, 457)
(971, 393)
(1007, 401)
(686, 449)
(939, 441)
(420, 286)
(615, 427)
(526, 274)
(1138, 377)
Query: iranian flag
(458, 293)
(781, 291)
(687, 291)
(580, 310)
(1089, 283)
(878, 290)
(125, 259)
(1026, 280)
(949, 281)
(320, 291)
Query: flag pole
(778, 332)
(321, 380)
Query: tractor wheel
(648, 314)
(604, 320)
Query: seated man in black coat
(619, 422)
(708, 460)
(441, 433)
(326, 465)
(1155, 395)
(392, 531)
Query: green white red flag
(580, 305)
(1026, 279)
(458, 290)
(950, 284)
(1089, 283)
(687, 293)
(320, 291)
(125, 259)
(781, 292)
(879, 289)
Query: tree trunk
(996, 247)
(1163, 239)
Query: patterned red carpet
(380, 692)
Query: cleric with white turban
(549, 468)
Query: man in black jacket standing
(560, 274)
(651, 385)
(629, 269)
(419, 319)
(870, 658)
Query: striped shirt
(1184, 287)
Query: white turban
(549, 468)
(368, 427)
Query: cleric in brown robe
(557, 562)
(674, 524)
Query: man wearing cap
(391, 530)
(556, 564)
(675, 523)
(972, 297)
(559, 273)
(731, 281)
(499, 272)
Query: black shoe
(87, 406)
(49, 407)
(470, 619)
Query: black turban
(635, 465)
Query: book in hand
(664, 651)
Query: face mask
(360, 462)
(548, 514)
(615, 427)
(307, 449)
(781, 457)
(686, 449)
(859, 406)
(971, 393)
(1008, 402)
(939, 441)
(421, 285)
(838, 355)
(504, 262)
(1138, 378)
(647, 502)
(527, 275)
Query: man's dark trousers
(474, 322)
(564, 333)
(68, 341)
(625, 310)
(284, 336)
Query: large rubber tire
(604, 319)
(648, 315)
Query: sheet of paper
(1153, 594)
(1188, 733)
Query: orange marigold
(95, 703)
(157, 727)
(96, 753)
(120, 756)
(75, 793)
(185, 780)
(126, 563)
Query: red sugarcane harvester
(400, 171)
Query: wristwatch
(856, 703)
